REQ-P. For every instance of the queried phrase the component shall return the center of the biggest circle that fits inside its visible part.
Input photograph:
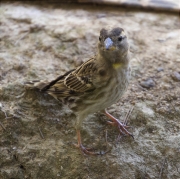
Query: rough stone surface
(37, 132)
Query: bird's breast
(108, 94)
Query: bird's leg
(84, 149)
(79, 144)
(121, 126)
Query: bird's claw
(89, 151)
(121, 126)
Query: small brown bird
(97, 83)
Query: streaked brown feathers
(97, 83)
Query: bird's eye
(120, 38)
(99, 38)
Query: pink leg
(121, 126)
(84, 149)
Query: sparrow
(97, 83)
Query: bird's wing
(74, 82)
(80, 80)
(59, 79)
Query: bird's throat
(117, 65)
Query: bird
(97, 83)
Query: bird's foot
(121, 126)
(87, 151)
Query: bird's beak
(108, 43)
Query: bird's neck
(115, 60)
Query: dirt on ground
(37, 132)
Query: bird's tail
(36, 84)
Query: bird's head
(113, 43)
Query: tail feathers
(37, 84)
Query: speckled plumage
(97, 83)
